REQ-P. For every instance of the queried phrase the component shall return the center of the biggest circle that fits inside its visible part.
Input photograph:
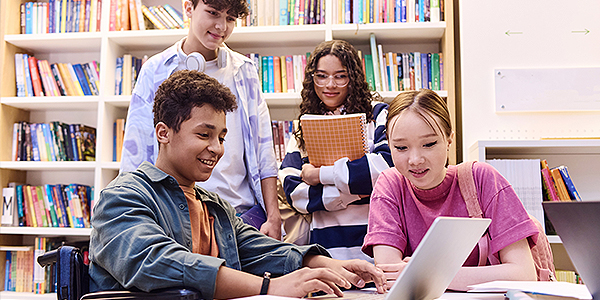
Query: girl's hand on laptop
(392, 271)
(308, 280)
(359, 272)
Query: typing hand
(310, 174)
(307, 280)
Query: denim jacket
(142, 239)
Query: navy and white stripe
(339, 215)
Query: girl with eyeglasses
(336, 197)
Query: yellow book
(31, 218)
(283, 74)
(152, 18)
(74, 80)
(328, 138)
(563, 194)
(66, 76)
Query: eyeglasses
(322, 79)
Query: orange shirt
(203, 237)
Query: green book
(435, 71)
(369, 71)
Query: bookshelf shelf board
(53, 103)
(46, 231)
(282, 99)
(48, 165)
(112, 165)
(26, 296)
(118, 101)
(57, 42)
(482, 150)
(277, 36)
(138, 39)
(390, 32)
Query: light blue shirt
(254, 124)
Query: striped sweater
(339, 215)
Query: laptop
(578, 225)
(435, 262)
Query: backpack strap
(468, 190)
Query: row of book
(40, 78)
(48, 205)
(387, 71)
(280, 74)
(388, 11)
(126, 72)
(23, 274)
(61, 16)
(557, 183)
(54, 141)
(164, 16)
(282, 133)
(568, 276)
(284, 12)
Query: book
(176, 15)
(369, 71)
(329, 138)
(548, 182)
(92, 78)
(276, 74)
(153, 19)
(563, 195)
(83, 80)
(88, 143)
(9, 207)
(78, 88)
(35, 77)
(573, 193)
(289, 65)
(375, 58)
(283, 71)
(119, 133)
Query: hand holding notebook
(331, 137)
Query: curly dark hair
(237, 8)
(186, 89)
(359, 94)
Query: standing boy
(154, 228)
(247, 174)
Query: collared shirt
(254, 127)
(141, 238)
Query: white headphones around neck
(195, 61)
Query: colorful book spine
(283, 71)
(573, 193)
(83, 80)
(560, 185)
(35, 77)
(270, 70)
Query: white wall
(546, 40)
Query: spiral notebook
(331, 137)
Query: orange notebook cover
(329, 138)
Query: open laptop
(435, 262)
(578, 225)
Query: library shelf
(46, 231)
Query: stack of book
(126, 73)
(61, 16)
(40, 78)
(24, 274)
(50, 205)
(280, 74)
(558, 185)
(387, 71)
(387, 11)
(54, 141)
(283, 132)
(164, 16)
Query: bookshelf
(101, 111)
(581, 156)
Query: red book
(290, 74)
(277, 74)
(35, 77)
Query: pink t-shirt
(400, 213)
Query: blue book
(73, 138)
(429, 73)
(28, 18)
(403, 11)
(421, 8)
(76, 12)
(283, 12)
(175, 14)
(51, 28)
(271, 75)
(573, 194)
(85, 86)
(7, 269)
(28, 83)
(119, 76)
(58, 192)
(49, 142)
(347, 11)
(424, 73)
(265, 73)
(34, 143)
(20, 212)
